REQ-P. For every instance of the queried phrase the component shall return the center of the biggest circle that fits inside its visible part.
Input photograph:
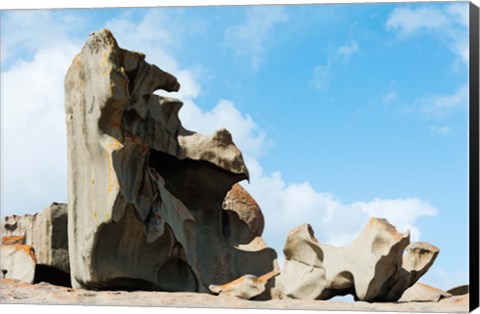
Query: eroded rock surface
(246, 287)
(145, 194)
(45, 231)
(242, 203)
(372, 268)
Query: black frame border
(474, 157)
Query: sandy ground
(12, 291)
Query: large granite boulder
(372, 268)
(45, 231)
(145, 194)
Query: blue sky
(342, 111)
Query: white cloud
(37, 48)
(33, 131)
(287, 205)
(449, 24)
(249, 39)
(407, 21)
(439, 106)
(348, 50)
(26, 32)
(323, 74)
(246, 134)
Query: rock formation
(153, 206)
(45, 231)
(145, 194)
(18, 262)
(372, 268)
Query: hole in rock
(200, 185)
(52, 275)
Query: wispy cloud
(348, 50)
(389, 97)
(440, 130)
(323, 74)
(440, 106)
(249, 39)
(449, 23)
(446, 279)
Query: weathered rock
(459, 290)
(420, 292)
(369, 268)
(241, 202)
(145, 194)
(245, 287)
(417, 259)
(18, 262)
(45, 231)
(9, 240)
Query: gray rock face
(145, 194)
(371, 268)
(45, 231)
(18, 262)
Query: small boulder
(459, 290)
(246, 287)
(18, 262)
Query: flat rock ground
(12, 291)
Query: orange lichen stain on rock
(27, 249)
(389, 228)
(9, 240)
(105, 63)
(112, 182)
(105, 58)
(234, 283)
(257, 280)
(269, 275)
